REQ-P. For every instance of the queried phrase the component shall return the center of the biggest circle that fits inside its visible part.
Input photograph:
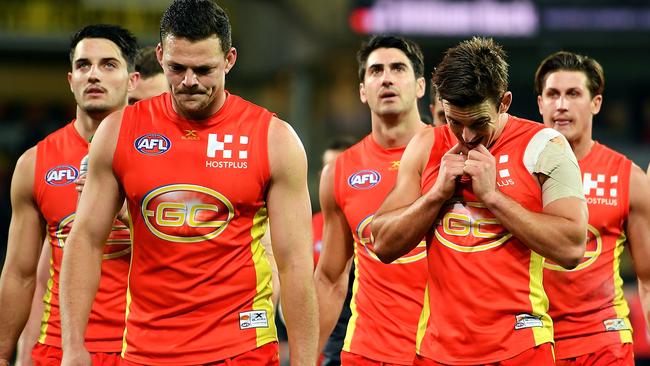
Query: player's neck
(86, 124)
(395, 131)
(582, 146)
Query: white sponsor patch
(615, 324)
(253, 319)
(523, 321)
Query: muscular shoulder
(22, 182)
(286, 151)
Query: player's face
(196, 73)
(567, 105)
(149, 87)
(477, 124)
(99, 78)
(390, 86)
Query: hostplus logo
(600, 189)
(503, 173)
(227, 151)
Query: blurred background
(297, 58)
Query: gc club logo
(364, 179)
(186, 213)
(61, 175)
(365, 239)
(117, 245)
(594, 248)
(152, 144)
(470, 227)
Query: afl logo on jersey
(186, 213)
(152, 144)
(61, 175)
(364, 179)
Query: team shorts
(44, 355)
(266, 355)
(352, 359)
(613, 355)
(541, 355)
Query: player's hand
(481, 167)
(80, 182)
(76, 357)
(452, 166)
(4, 362)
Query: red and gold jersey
(200, 281)
(588, 306)
(487, 302)
(317, 232)
(57, 166)
(387, 299)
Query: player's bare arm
(31, 332)
(81, 269)
(638, 226)
(290, 218)
(332, 272)
(275, 281)
(558, 233)
(405, 215)
(26, 233)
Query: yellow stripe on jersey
(264, 290)
(47, 298)
(620, 305)
(539, 300)
(424, 320)
(353, 304)
(128, 290)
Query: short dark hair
(410, 49)
(196, 20)
(123, 39)
(569, 61)
(146, 62)
(433, 91)
(473, 71)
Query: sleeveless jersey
(317, 234)
(487, 300)
(588, 306)
(387, 299)
(57, 166)
(200, 281)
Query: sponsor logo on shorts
(364, 179)
(615, 324)
(523, 321)
(186, 213)
(61, 175)
(152, 144)
(253, 319)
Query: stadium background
(297, 58)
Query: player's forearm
(556, 238)
(331, 296)
(397, 232)
(80, 273)
(31, 332)
(16, 292)
(644, 296)
(300, 311)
